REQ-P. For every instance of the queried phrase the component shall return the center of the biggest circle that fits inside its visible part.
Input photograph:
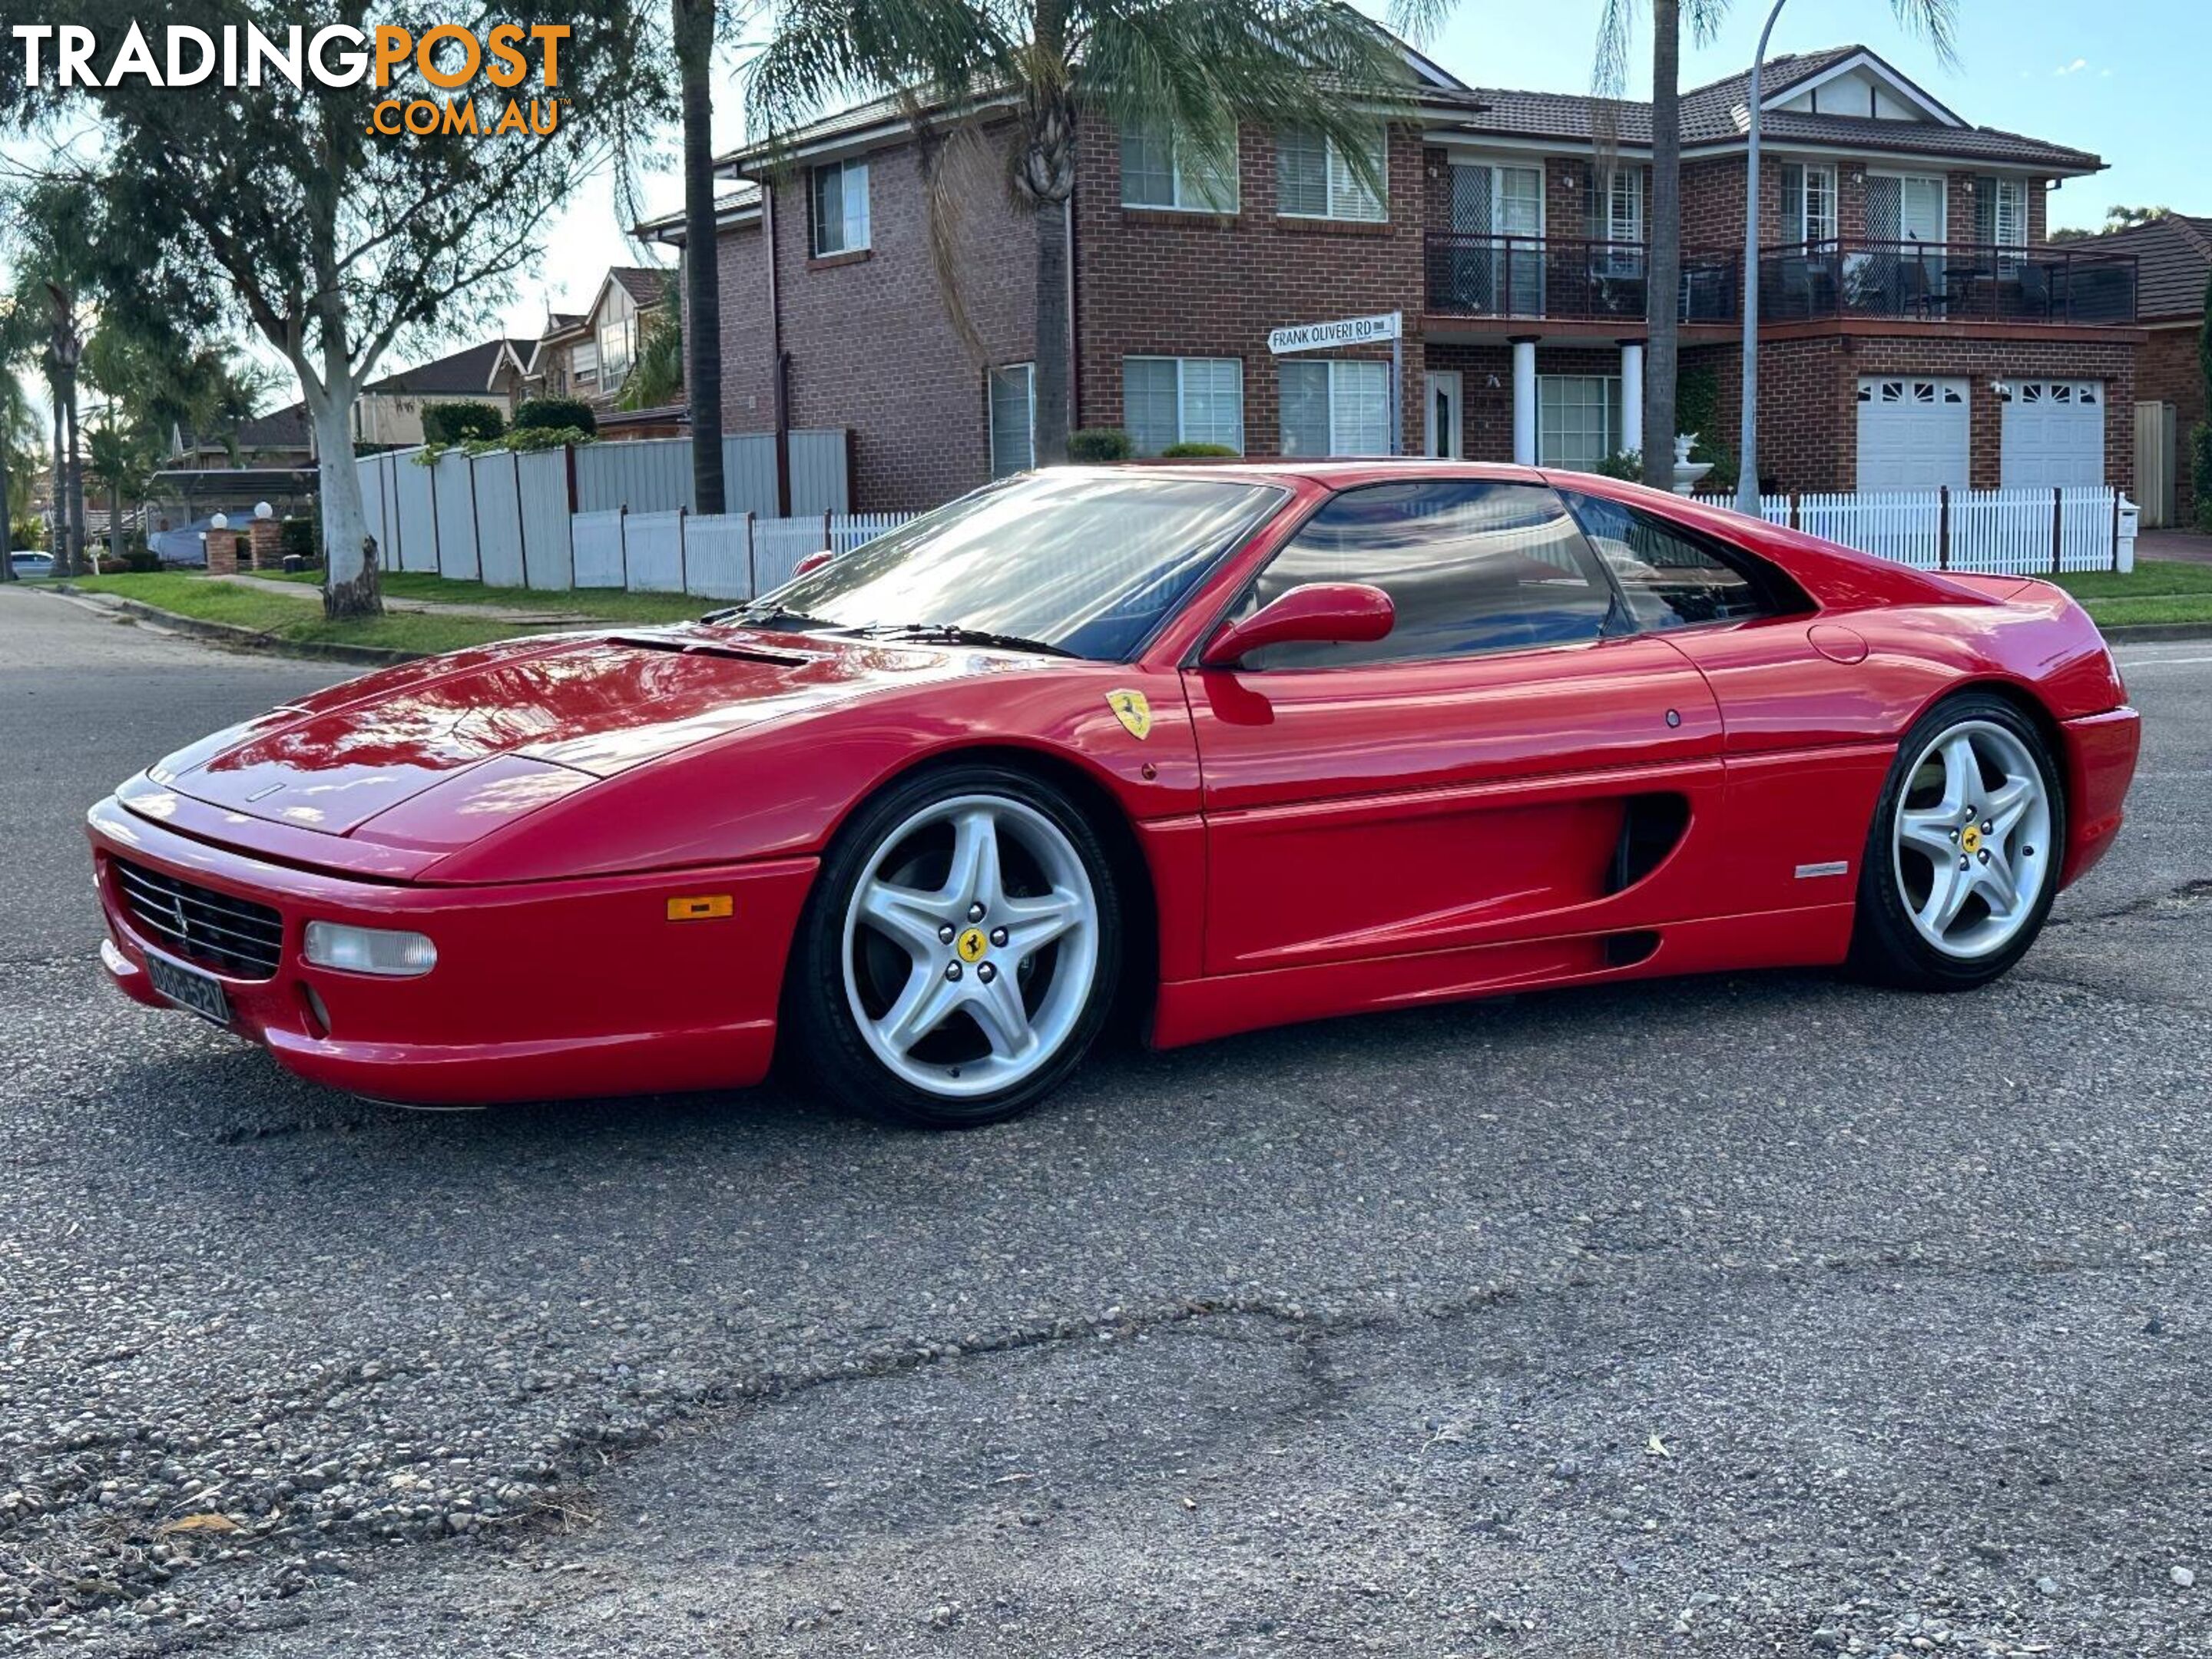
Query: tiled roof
(1719, 113)
(643, 283)
(468, 371)
(281, 428)
(741, 196)
(2173, 258)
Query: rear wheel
(1962, 863)
(960, 952)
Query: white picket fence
(1997, 532)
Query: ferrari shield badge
(1132, 711)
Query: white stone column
(1525, 402)
(1632, 397)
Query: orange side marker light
(699, 907)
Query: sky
(2123, 78)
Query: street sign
(1348, 330)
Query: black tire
(823, 1047)
(1887, 948)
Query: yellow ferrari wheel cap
(1970, 840)
(1132, 711)
(971, 944)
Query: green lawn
(610, 603)
(290, 619)
(2155, 591)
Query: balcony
(1576, 281)
(1947, 282)
(1570, 279)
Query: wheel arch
(2025, 702)
(1117, 831)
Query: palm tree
(1935, 19)
(693, 29)
(1664, 216)
(1012, 80)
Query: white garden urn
(1687, 472)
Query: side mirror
(1319, 613)
(812, 562)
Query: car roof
(1335, 474)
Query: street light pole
(1746, 478)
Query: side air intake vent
(1651, 826)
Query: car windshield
(1083, 562)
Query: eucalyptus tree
(1009, 81)
(295, 208)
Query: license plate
(194, 991)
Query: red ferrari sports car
(1222, 746)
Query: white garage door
(2054, 432)
(1913, 432)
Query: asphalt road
(1749, 1314)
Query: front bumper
(543, 990)
(2100, 757)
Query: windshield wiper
(773, 615)
(953, 634)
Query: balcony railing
(1946, 282)
(1570, 279)
(1579, 280)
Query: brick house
(2174, 258)
(1915, 329)
(588, 354)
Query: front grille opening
(233, 936)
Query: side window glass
(1669, 578)
(1469, 568)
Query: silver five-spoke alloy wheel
(1973, 839)
(971, 945)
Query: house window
(1332, 408)
(1578, 420)
(1013, 419)
(1315, 180)
(2001, 216)
(1160, 169)
(840, 208)
(1613, 205)
(617, 346)
(584, 365)
(2000, 212)
(1183, 400)
(1808, 204)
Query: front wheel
(1962, 862)
(960, 952)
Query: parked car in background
(28, 563)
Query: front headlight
(370, 949)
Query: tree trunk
(115, 522)
(1664, 218)
(702, 325)
(7, 515)
(79, 557)
(58, 493)
(351, 583)
(1050, 388)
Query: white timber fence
(542, 519)
(729, 556)
(1994, 533)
